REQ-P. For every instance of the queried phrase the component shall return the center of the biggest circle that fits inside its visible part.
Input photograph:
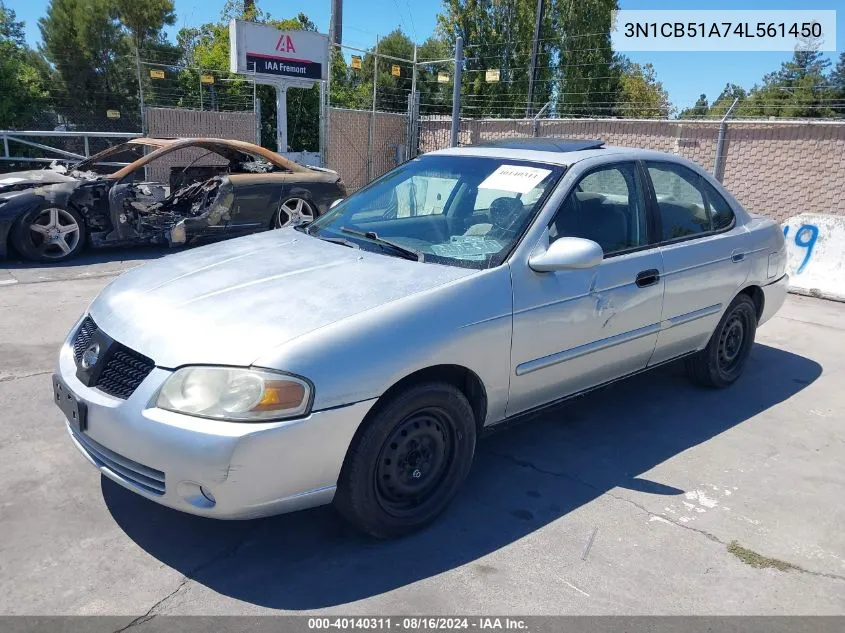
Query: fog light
(196, 495)
(207, 494)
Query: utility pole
(336, 22)
(532, 77)
(456, 92)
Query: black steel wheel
(407, 461)
(722, 361)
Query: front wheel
(408, 462)
(50, 233)
(722, 361)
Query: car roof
(563, 158)
(545, 144)
(166, 145)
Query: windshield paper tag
(515, 178)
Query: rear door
(705, 264)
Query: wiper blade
(337, 240)
(406, 251)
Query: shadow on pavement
(523, 478)
(88, 258)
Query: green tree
(586, 72)
(90, 45)
(798, 89)
(22, 75)
(726, 98)
(497, 35)
(697, 111)
(641, 95)
(837, 86)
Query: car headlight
(236, 394)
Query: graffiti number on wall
(805, 237)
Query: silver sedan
(355, 359)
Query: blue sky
(685, 75)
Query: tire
(408, 461)
(720, 363)
(60, 236)
(292, 211)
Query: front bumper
(223, 470)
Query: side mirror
(567, 253)
(335, 203)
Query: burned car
(165, 191)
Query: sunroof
(544, 144)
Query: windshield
(465, 211)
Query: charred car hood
(231, 302)
(18, 180)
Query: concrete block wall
(778, 168)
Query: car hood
(17, 180)
(231, 302)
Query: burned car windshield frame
(466, 211)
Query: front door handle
(648, 277)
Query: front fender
(467, 322)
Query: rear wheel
(408, 462)
(722, 361)
(49, 233)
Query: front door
(575, 329)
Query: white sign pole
(281, 118)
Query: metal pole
(414, 72)
(412, 100)
(6, 145)
(140, 84)
(200, 92)
(720, 142)
(281, 118)
(372, 131)
(256, 109)
(85, 141)
(327, 107)
(456, 92)
(535, 124)
(534, 48)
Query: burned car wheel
(49, 233)
(408, 461)
(294, 211)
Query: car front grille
(125, 369)
(147, 479)
(83, 337)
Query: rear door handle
(737, 256)
(648, 277)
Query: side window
(606, 206)
(721, 213)
(680, 200)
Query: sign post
(283, 59)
